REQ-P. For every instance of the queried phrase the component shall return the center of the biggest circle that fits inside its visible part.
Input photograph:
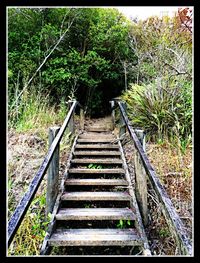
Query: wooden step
(95, 237)
(102, 153)
(95, 171)
(96, 146)
(99, 182)
(99, 129)
(90, 196)
(95, 161)
(95, 140)
(97, 136)
(95, 214)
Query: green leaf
(129, 222)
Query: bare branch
(170, 49)
(186, 25)
(178, 72)
(44, 61)
(61, 27)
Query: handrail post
(122, 129)
(141, 179)
(82, 119)
(71, 122)
(141, 136)
(53, 173)
(141, 187)
(112, 104)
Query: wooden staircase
(97, 206)
(94, 208)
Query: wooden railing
(26, 200)
(143, 172)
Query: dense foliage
(160, 101)
(87, 62)
(93, 55)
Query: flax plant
(162, 108)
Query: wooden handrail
(172, 218)
(26, 200)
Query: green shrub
(163, 109)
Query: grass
(25, 161)
(27, 146)
(35, 111)
(160, 238)
(32, 231)
(124, 224)
(174, 169)
(23, 165)
(95, 166)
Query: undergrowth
(32, 231)
(28, 126)
(21, 170)
(34, 111)
(163, 109)
(174, 170)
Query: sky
(142, 12)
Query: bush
(163, 108)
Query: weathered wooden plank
(97, 160)
(71, 126)
(141, 136)
(134, 205)
(112, 104)
(52, 173)
(95, 214)
(95, 140)
(96, 146)
(141, 187)
(82, 119)
(99, 129)
(117, 196)
(95, 171)
(45, 249)
(122, 129)
(96, 182)
(104, 231)
(95, 237)
(113, 153)
(97, 136)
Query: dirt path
(105, 123)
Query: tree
(161, 103)
(86, 59)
